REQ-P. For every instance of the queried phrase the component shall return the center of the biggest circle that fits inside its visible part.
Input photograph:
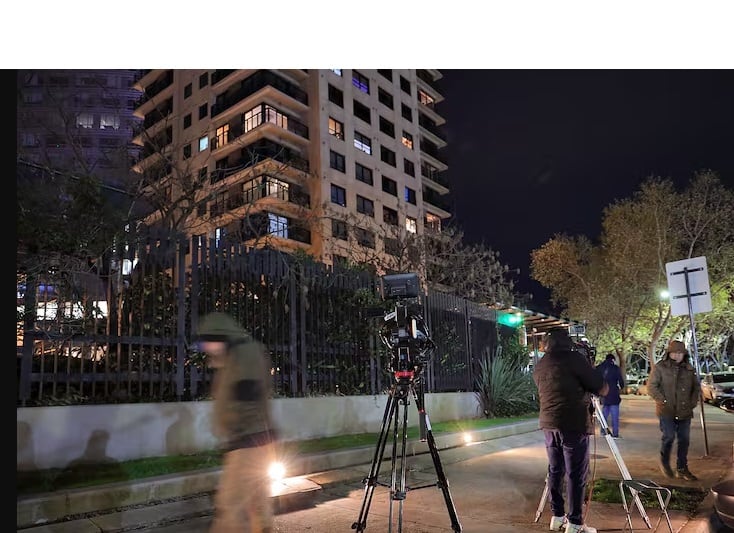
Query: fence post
(181, 352)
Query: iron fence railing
(121, 332)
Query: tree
(614, 286)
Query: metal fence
(120, 331)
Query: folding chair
(642, 485)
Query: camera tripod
(396, 417)
(617, 457)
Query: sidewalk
(496, 483)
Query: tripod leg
(443, 483)
(543, 500)
(371, 480)
(398, 488)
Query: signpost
(688, 286)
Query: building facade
(77, 122)
(342, 163)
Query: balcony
(432, 197)
(256, 117)
(431, 127)
(155, 88)
(255, 153)
(251, 85)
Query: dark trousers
(568, 458)
(673, 429)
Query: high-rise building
(77, 122)
(341, 163)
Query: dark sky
(533, 153)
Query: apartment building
(77, 122)
(341, 163)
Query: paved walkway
(495, 485)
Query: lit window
(425, 98)
(253, 118)
(432, 222)
(336, 128)
(362, 142)
(277, 225)
(411, 225)
(222, 135)
(109, 122)
(85, 120)
(407, 140)
(203, 143)
(361, 82)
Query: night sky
(533, 153)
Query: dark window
(392, 246)
(187, 151)
(204, 80)
(187, 121)
(338, 195)
(389, 216)
(203, 110)
(386, 73)
(405, 85)
(365, 238)
(363, 174)
(203, 172)
(339, 229)
(389, 186)
(361, 111)
(409, 167)
(387, 127)
(387, 155)
(361, 82)
(187, 91)
(336, 161)
(407, 112)
(410, 196)
(336, 96)
(365, 206)
(384, 97)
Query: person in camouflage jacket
(675, 387)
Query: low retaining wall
(56, 437)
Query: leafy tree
(614, 286)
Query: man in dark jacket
(566, 380)
(240, 419)
(611, 400)
(675, 387)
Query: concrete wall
(55, 437)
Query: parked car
(642, 388)
(717, 386)
(631, 385)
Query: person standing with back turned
(675, 388)
(566, 380)
(241, 420)
(610, 402)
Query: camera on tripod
(405, 332)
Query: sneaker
(616, 436)
(665, 469)
(579, 528)
(558, 523)
(684, 473)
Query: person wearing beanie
(241, 389)
(610, 402)
(566, 379)
(675, 387)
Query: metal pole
(696, 363)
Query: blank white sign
(698, 291)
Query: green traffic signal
(512, 320)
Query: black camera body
(405, 332)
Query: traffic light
(511, 320)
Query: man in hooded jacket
(611, 400)
(241, 390)
(675, 387)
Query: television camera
(404, 331)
